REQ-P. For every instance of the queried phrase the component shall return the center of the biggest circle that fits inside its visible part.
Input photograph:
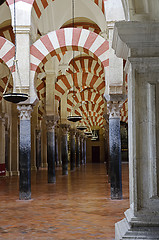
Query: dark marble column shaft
(50, 122)
(51, 156)
(64, 149)
(25, 152)
(85, 149)
(38, 149)
(77, 150)
(81, 148)
(6, 150)
(56, 150)
(72, 150)
(115, 156)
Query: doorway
(95, 154)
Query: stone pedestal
(72, 150)
(140, 42)
(77, 149)
(51, 122)
(115, 150)
(64, 148)
(38, 149)
(25, 152)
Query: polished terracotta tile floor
(77, 207)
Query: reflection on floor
(77, 207)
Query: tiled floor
(77, 207)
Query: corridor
(77, 207)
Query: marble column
(84, 149)
(64, 148)
(106, 144)
(7, 149)
(25, 152)
(72, 150)
(57, 148)
(81, 150)
(77, 149)
(141, 46)
(38, 149)
(51, 122)
(115, 149)
(2, 145)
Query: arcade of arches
(98, 60)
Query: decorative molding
(65, 128)
(114, 109)
(25, 111)
(51, 122)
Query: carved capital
(38, 134)
(114, 109)
(2, 117)
(72, 131)
(51, 122)
(25, 111)
(65, 128)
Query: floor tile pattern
(77, 207)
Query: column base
(52, 180)
(123, 230)
(136, 228)
(64, 172)
(116, 194)
(33, 168)
(44, 165)
(12, 173)
(24, 195)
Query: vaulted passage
(78, 206)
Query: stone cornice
(136, 39)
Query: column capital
(25, 111)
(51, 122)
(65, 128)
(113, 109)
(2, 117)
(72, 131)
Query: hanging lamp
(14, 97)
(73, 118)
(88, 133)
(81, 127)
(94, 136)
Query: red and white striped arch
(7, 33)
(81, 99)
(7, 51)
(86, 25)
(65, 40)
(86, 64)
(3, 82)
(124, 112)
(40, 5)
(82, 79)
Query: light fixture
(73, 118)
(14, 97)
(94, 136)
(81, 127)
(88, 133)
